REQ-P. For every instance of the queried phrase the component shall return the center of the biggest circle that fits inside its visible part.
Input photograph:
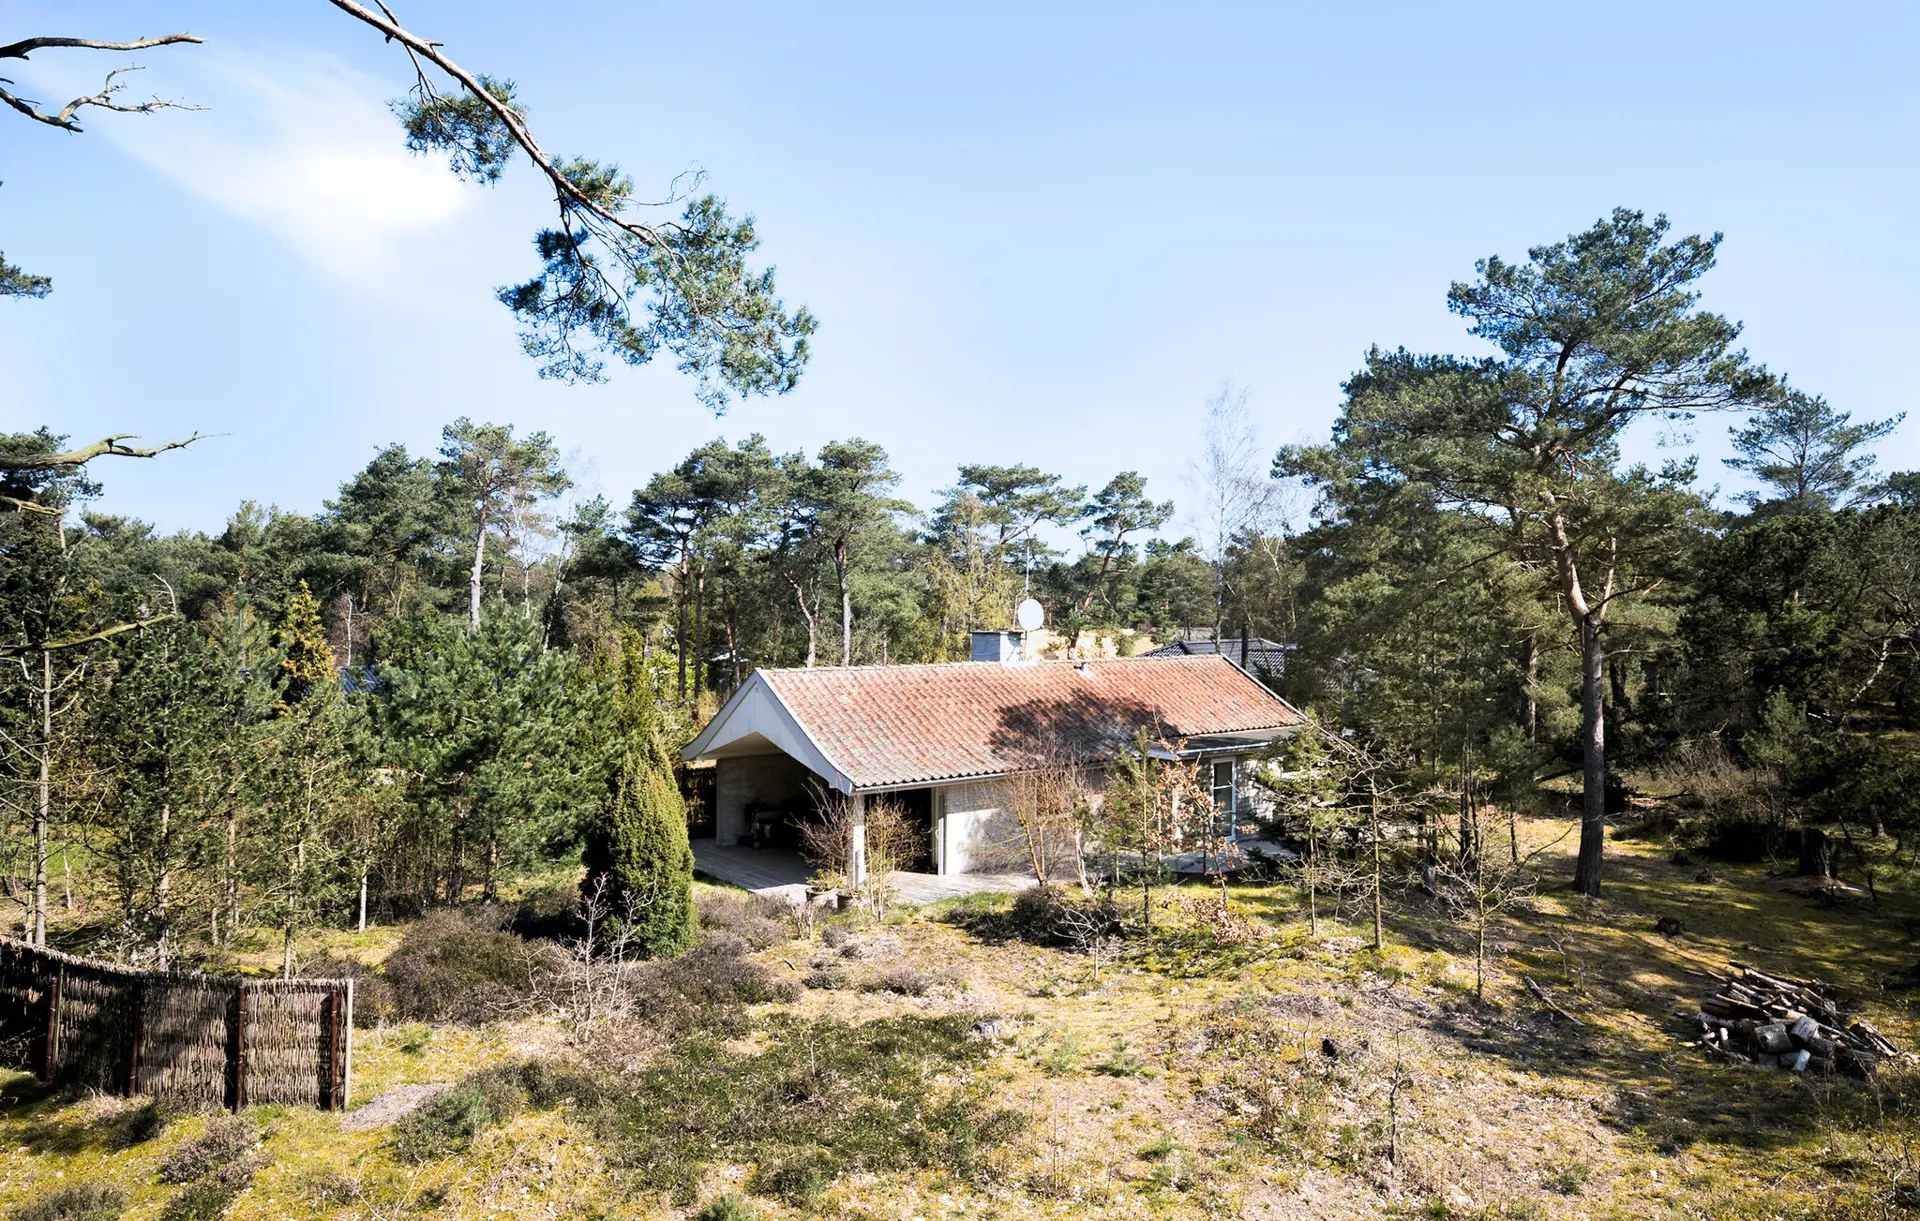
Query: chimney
(996, 646)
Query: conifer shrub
(729, 1207)
(637, 856)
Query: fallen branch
(1541, 995)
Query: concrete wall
(738, 781)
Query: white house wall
(979, 828)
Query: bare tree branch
(74, 642)
(26, 46)
(102, 448)
(102, 100)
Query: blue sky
(1038, 233)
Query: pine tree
(638, 858)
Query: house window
(1224, 798)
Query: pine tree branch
(421, 48)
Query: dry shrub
(374, 1004)
(827, 842)
(1044, 915)
(227, 1142)
(757, 920)
(901, 981)
(74, 1202)
(461, 965)
(826, 979)
(711, 979)
(1215, 916)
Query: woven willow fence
(203, 1038)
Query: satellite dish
(1032, 615)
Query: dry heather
(1231, 1066)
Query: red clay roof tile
(892, 725)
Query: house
(943, 740)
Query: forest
(401, 693)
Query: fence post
(346, 1065)
(239, 1056)
(333, 1048)
(53, 1020)
(138, 991)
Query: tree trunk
(163, 888)
(479, 563)
(686, 571)
(1816, 854)
(43, 802)
(363, 896)
(1378, 930)
(229, 878)
(700, 633)
(1593, 747)
(846, 604)
(1530, 697)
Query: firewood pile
(1792, 1024)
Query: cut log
(1773, 1038)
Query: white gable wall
(978, 829)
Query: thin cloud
(300, 145)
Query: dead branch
(106, 447)
(74, 642)
(64, 118)
(1540, 994)
(27, 46)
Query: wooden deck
(772, 871)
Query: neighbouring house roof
(1262, 656)
(870, 727)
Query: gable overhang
(756, 715)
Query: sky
(1039, 233)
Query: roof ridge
(945, 665)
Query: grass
(1188, 1079)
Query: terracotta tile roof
(890, 725)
